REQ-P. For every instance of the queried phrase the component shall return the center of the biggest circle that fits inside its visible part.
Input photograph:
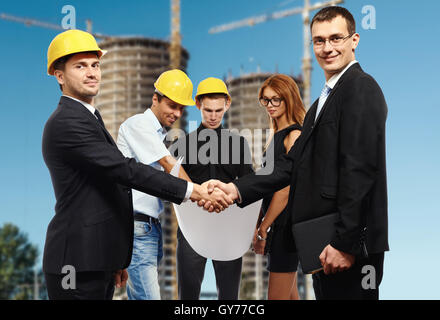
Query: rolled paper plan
(220, 236)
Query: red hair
(288, 90)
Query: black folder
(311, 237)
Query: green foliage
(17, 260)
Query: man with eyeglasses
(337, 166)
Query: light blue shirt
(141, 137)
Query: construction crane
(307, 60)
(175, 35)
(42, 24)
(175, 46)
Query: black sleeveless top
(278, 144)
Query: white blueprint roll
(220, 236)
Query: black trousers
(90, 285)
(191, 269)
(360, 282)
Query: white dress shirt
(141, 137)
(331, 84)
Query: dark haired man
(91, 234)
(337, 165)
(227, 158)
(141, 137)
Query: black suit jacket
(92, 228)
(337, 165)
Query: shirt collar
(155, 122)
(85, 104)
(335, 78)
(218, 129)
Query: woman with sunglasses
(280, 95)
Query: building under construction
(128, 72)
(252, 121)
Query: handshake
(214, 195)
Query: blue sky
(401, 53)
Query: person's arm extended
(134, 138)
(281, 197)
(253, 187)
(83, 146)
(168, 162)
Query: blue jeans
(143, 281)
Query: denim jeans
(143, 281)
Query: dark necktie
(98, 115)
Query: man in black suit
(91, 235)
(337, 165)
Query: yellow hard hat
(212, 85)
(175, 85)
(68, 42)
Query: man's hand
(334, 260)
(212, 186)
(216, 199)
(121, 277)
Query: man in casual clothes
(227, 158)
(141, 137)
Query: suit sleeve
(265, 181)
(84, 145)
(362, 128)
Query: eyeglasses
(333, 40)
(276, 102)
